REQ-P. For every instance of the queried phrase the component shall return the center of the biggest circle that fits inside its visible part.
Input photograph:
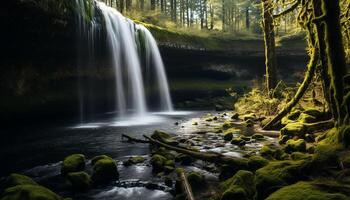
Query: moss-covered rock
(105, 170)
(250, 116)
(257, 162)
(300, 156)
(294, 129)
(277, 174)
(228, 124)
(234, 192)
(79, 180)
(158, 162)
(241, 180)
(184, 159)
(235, 116)
(73, 163)
(305, 191)
(306, 118)
(134, 160)
(29, 192)
(97, 158)
(295, 145)
(294, 114)
(344, 135)
(164, 137)
(196, 180)
(18, 179)
(314, 112)
(271, 151)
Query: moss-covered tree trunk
(269, 39)
(335, 59)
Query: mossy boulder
(295, 145)
(164, 137)
(294, 129)
(234, 192)
(235, 116)
(79, 180)
(344, 135)
(271, 151)
(184, 159)
(257, 162)
(250, 116)
(196, 180)
(314, 112)
(228, 124)
(283, 139)
(306, 191)
(306, 118)
(104, 171)
(158, 162)
(18, 179)
(29, 192)
(277, 174)
(97, 158)
(73, 163)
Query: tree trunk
(336, 58)
(269, 39)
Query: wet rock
(258, 136)
(195, 123)
(29, 192)
(184, 159)
(248, 123)
(250, 116)
(227, 125)
(176, 123)
(18, 179)
(151, 186)
(240, 186)
(79, 180)
(134, 160)
(105, 170)
(164, 137)
(306, 118)
(234, 192)
(283, 139)
(168, 169)
(158, 162)
(238, 141)
(295, 145)
(235, 116)
(73, 163)
(271, 151)
(168, 181)
(228, 136)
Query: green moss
(257, 162)
(293, 129)
(305, 191)
(158, 162)
(105, 170)
(196, 180)
(300, 156)
(228, 124)
(29, 192)
(295, 145)
(294, 115)
(243, 179)
(73, 163)
(306, 118)
(271, 151)
(184, 159)
(235, 116)
(79, 180)
(327, 153)
(170, 163)
(18, 179)
(344, 135)
(250, 116)
(168, 169)
(314, 112)
(163, 137)
(234, 192)
(277, 174)
(97, 158)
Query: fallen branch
(210, 157)
(185, 185)
(132, 139)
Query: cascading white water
(154, 58)
(122, 43)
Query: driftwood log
(185, 185)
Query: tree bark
(269, 39)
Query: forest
(175, 99)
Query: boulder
(97, 158)
(196, 180)
(258, 136)
(295, 145)
(105, 170)
(158, 162)
(294, 129)
(73, 163)
(18, 179)
(29, 192)
(79, 180)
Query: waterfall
(123, 45)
